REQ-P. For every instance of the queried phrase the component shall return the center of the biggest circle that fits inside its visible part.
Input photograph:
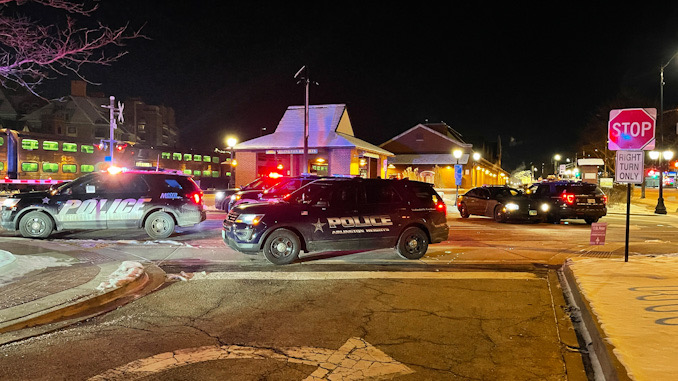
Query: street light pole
(661, 208)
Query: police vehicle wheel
(463, 211)
(36, 225)
(499, 213)
(412, 243)
(159, 225)
(282, 247)
(590, 220)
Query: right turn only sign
(629, 167)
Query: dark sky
(530, 72)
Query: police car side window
(343, 196)
(89, 185)
(383, 193)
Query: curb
(605, 364)
(152, 278)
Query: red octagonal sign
(631, 129)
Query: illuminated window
(205, 158)
(69, 168)
(228, 174)
(207, 173)
(196, 173)
(143, 164)
(187, 156)
(197, 157)
(2, 141)
(176, 156)
(86, 168)
(2, 166)
(215, 160)
(29, 167)
(86, 149)
(215, 173)
(29, 144)
(50, 167)
(70, 147)
(187, 171)
(165, 155)
(50, 146)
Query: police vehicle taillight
(440, 206)
(568, 198)
(196, 197)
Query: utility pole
(115, 113)
(306, 80)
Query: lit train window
(50, 146)
(215, 160)
(197, 157)
(29, 144)
(205, 158)
(86, 168)
(69, 168)
(176, 156)
(86, 148)
(50, 167)
(187, 156)
(29, 167)
(70, 147)
(2, 141)
(207, 173)
(2, 166)
(187, 171)
(196, 173)
(215, 173)
(165, 155)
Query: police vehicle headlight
(249, 219)
(219, 195)
(10, 202)
(235, 197)
(544, 207)
(512, 207)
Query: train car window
(86, 148)
(69, 168)
(215, 160)
(187, 157)
(86, 168)
(188, 171)
(196, 173)
(197, 157)
(50, 145)
(205, 158)
(165, 155)
(2, 141)
(176, 156)
(207, 173)
(29, 144)
(29, 167)
(70, 147)
(2, 166)
(50, 167)
(215, 173)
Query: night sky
(533, 75)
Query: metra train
(35, 158)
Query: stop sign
(631, 129)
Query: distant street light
(476, 159)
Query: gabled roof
(81, 110)
(454, 138)
(328, 126)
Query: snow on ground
(636, 304)
(93, 243)
(25, 264)
(126, 273)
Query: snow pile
(22, 265)
(126, 273)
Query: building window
(86, 148)
(205, 158)
(176, 156)
(187, 157)
(29, 167)
(69, 168)
(29, 144)
(141, 127)
(165, 155)
(72, 130)
(70, 147)
(197, 157)
(50, 167)
(86, 168)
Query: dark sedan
(500, 202)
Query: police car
(341, 214)
(154, 200)
(285, 186)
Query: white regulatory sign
(629, 167)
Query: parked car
(341, 214)
(569, 200)
(500, 202)
(274, 193)
(156, 201)
(259, 183)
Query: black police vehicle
(154, 200)
(569, 200)
(274, 193)
(500, 202)
(341, 214)
(258, 184)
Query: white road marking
(340, 275)
(355, 360)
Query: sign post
(630, 132)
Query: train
(30, 160)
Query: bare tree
(32, 51)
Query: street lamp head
(557, 157)
(231, 142)
(668, 155)
(457, 153)
(476, 156)
(654, 155)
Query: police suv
(341, 214)
(154, 200)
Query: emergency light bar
(34, 182)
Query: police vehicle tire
(36, 225)
(282, 247)
(590, 220)
(159, 225)
(412, 243)
(499, 213)
(463, 211)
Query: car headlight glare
(10, 202)
(249, 219)
(219, 195)
(512, 207)
(544, 207)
